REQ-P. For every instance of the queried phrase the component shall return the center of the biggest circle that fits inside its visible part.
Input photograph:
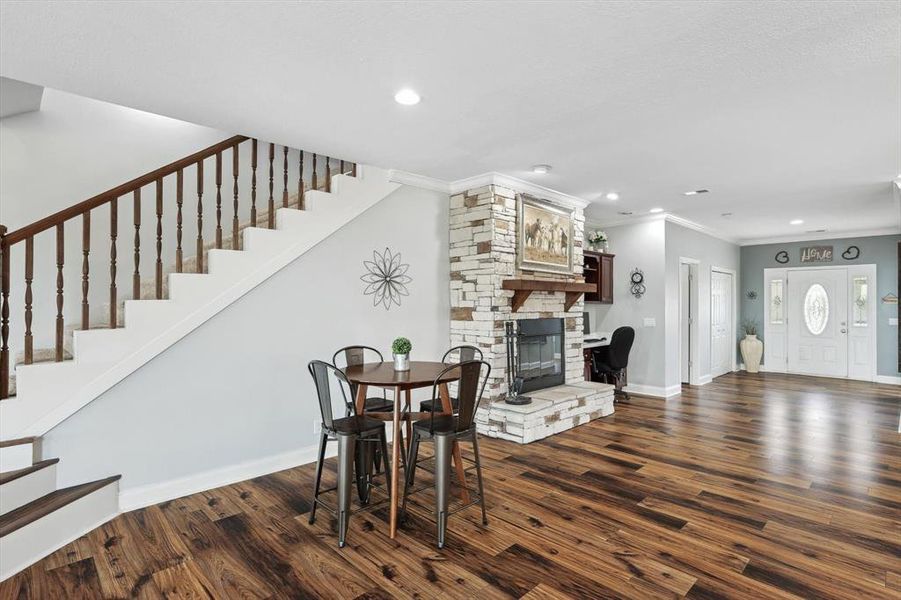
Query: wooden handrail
(100, 199)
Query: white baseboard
(653, 390)
(890, 379)
(704, 379)
(154, 493)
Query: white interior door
(818, 322)
(685, 319)
(722, 339)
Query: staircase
(295, 207)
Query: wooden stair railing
(110, 198)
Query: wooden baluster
(4, 314)
(328, 174)
(60, 261)
(85, 269)
(200, 216)
(271, 186)
(114, 233)
(179, 200)
(219, 199)
(313, 182)
(300, 191)
(235, 216)
(341, 166)
(136, 277)
(285, 167)
(29, 299)
(253, 183)
(353, 173)
(159, 239)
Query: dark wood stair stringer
(31, 512)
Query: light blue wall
(879, 250)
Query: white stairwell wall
(233, 399)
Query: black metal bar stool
(353, 434)
(464, 353)
(443, 431)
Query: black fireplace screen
(540, 353)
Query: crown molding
(815, 237)
(670, 217)
(477, 181)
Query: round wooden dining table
(421, 374)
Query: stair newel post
(271, 186)
(285, 169)
(60, 261)
(354, 171)
(159, 238)
(85, 269)
(136, 276)
(328, 174)
(341, 166)
(113, 233)
(313, 182)
(219, 200)
(29, 299)
(200, 216)
(253, 183)
(179, 200)
(300, 201)
(235, 158)
(4, 314)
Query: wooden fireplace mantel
(523, 288)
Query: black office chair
(611, 361)
(354, 433)
(444, 430)
(463, 354)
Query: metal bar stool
(353, 434)
(443, 431)
(464, 353)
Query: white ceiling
(783, 110)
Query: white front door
(818, 322)
(722, 339)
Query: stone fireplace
(483, 230)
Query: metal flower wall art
(386, 278)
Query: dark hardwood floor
(766, 486)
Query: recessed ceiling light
(796, 222)
(612, 196)
(407, 97)
(541, 169)
(656, 210)
(694, 192)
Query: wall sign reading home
(545, 240)
(816, 254)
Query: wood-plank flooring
(753, 486)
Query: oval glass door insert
(816, 309)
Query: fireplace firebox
(540, 355)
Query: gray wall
(640, 245)
(710, 252)
(237, 389)
(879, 250)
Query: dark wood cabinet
(597, 269)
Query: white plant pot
(751, 352)
(401, 362)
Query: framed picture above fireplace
(544, 240)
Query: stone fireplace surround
(483, 230)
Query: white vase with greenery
(751, 347)
(597, 241)
(400, 348)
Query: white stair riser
(36, 540)
(13, 458)
(27, 488)
(48, 392)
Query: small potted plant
(401, 347)
(751, 347)
(597, 240)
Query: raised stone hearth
(552, 410)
